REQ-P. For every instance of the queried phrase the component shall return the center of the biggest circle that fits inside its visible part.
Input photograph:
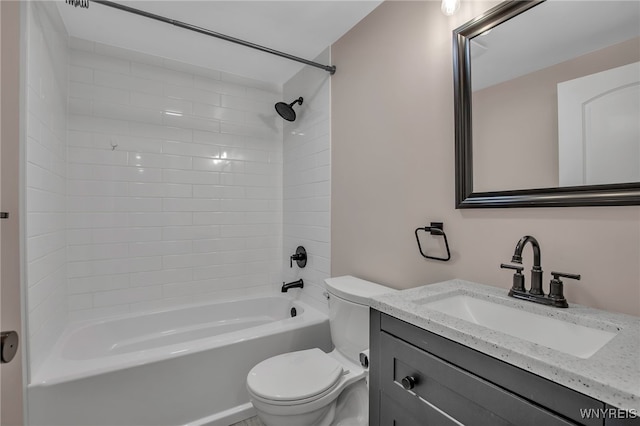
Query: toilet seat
(294, 378)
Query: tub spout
(294, 284)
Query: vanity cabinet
(418, 378)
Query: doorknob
(8, 346)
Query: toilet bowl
(301, 388)
(314, 388)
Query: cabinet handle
(408, 382)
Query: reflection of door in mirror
(599, 128)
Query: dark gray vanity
(419, 377)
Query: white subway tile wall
(174, 183)
(307, 188)
(45, 174)
(152, 183)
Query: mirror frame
(585, 195)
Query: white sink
(572, 339)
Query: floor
(253, 421)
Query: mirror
(547, 107)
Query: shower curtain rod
(331, 69)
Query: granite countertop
(611, 375)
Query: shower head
(286, 110)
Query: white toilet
(311, 387)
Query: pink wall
(393, 171)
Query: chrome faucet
(535, 294)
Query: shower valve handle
(300, 257)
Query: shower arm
(331, 69)
(297, 101)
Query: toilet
(314, 388)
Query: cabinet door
(598, 129)
(443, 387)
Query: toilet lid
(294, 376)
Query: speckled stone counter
(611, 375)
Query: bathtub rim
(56, 369)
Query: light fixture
(449, 7)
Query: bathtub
(182, 366)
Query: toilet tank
(349, 313)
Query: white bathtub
(176, 367)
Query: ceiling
(550, 33)
(299, 27)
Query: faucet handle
(300, 256)
(518, 278)
(556, 293)
(518, 269)
(557, 275)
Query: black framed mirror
(562, 180)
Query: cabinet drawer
(463, 396)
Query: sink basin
(554, 333)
